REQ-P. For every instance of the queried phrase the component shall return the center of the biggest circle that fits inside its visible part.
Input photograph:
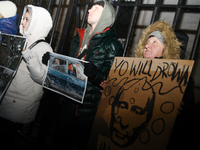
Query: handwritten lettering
(171, 70)
(145, 68)
(141, 69)
(121, 65)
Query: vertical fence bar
(155, 12)
(21, 12)
(78, 17)
(40, 3)
(133, 17)
(66, 30)
(84, 16)
(196, 43)
(177, 15)
(117, 10)
(49, 5)
(56, 20)
(16, 2)
(31, 2)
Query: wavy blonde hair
(172, 48)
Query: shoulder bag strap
(35, 43)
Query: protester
(159, 41)
(97, 44)
(22, 99)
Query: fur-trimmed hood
(172, 48)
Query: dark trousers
(8, 134)
(73, 131)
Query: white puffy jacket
(21, 101)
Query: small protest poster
(139, 104)
(66, 76)
(10, 58)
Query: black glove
(90, 70)
(45, 58)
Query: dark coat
(102, 55)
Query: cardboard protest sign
(139, 104)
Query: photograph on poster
(10, 58)
(66, 76)
(139, 104)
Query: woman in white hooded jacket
(21, 101)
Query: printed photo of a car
(65, 76)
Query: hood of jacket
(106, 20)
(39, 25)
(9, 25)
(172, 45)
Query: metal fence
(157, 8)
(127, 14)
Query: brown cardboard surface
(139, 104)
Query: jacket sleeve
(33, 59)
(112, 49)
